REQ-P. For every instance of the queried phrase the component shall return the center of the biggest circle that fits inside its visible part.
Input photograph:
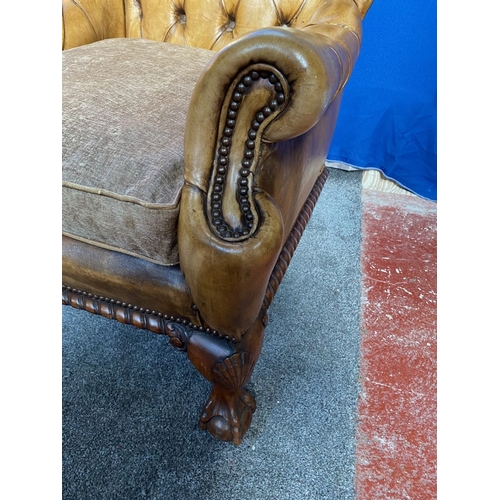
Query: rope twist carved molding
(130, 314)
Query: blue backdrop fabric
(388, 117)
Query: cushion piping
(116, 249)
(120, 197)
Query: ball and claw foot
(228, 414)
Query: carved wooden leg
(227, 365)
(228, 411)
(227, 414)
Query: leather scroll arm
(228, 280)
(316, 62)
(269, 86)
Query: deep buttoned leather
(209, 24)
(310, 46)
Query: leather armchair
(253, 93)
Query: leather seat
(194, 141)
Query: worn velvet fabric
(124, 107)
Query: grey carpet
(131, 402)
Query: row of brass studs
(166, 317)
(248, 155)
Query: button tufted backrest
(212, 24)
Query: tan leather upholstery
(128, 279)
(209, 24)
(300, 62)
(257, 131)
(87, 21)
(288, 140)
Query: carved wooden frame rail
(222, 360)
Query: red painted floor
(396, 439)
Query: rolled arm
(315, 61)
(268, 87)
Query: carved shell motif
(234, 371)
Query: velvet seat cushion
(124, 106)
